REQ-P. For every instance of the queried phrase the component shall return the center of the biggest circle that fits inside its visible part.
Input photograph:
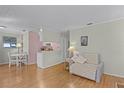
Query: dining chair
(23, 58)
(17, 58)
(12, 59)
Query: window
(9, 42)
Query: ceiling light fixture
(24, 30)
(41, 29)
(2, 27)
(89, 23)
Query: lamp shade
(71, 48)
(18, 45)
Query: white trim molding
(121, 76)
(103, 22)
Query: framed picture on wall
(84, 40)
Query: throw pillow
(79, 59)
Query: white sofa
(92, 69)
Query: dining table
(20, 57)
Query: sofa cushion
(92, 58)
(85, 70)
(79, 59)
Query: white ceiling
(55, 18)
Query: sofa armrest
(70, 61)
(99, 71)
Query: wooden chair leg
(20, 63)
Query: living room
(42, 37)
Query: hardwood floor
(53, 77)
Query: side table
(67, 63)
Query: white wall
(4, 51)
(26, 42)
(107, 39)
(54, 36)
(65, 36)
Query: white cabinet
(47, 58)
(40, 60)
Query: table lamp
(71, 49)
(18, 45)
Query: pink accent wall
(34, 46)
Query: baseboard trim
(30, 63)
(121, 76)
(4, 63)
